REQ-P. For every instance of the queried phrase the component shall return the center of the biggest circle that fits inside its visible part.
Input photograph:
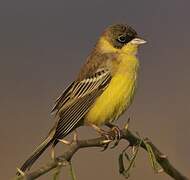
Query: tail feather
(36, 154)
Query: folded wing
(76, 101)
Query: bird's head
(120, 38)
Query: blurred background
(42, 46)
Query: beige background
(42, 46)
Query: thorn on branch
(20, 172)
(158, 160)
(64, 141)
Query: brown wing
(77, 101)
(81, 88)
(92, 74)
(63, 98)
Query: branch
(101, 142)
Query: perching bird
(103, 89)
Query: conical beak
(138, 41)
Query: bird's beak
(138, 41)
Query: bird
(101, 92)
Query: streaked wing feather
(79, 89)
(82, 97)
(88, 85)
(65, 96)
(74, 113)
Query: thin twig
(100, 142)
(72, 172)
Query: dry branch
(132, 139)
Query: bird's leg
(100, 131)
(104, 134)
(117, 134)
(115, 129)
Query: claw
(104, 134)
(105, 147)
(117, 136)
(106, 141)
(127, 124)
(114, 134)
(106, 144)
(115, 144)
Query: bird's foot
(103, 133)
(115, 132)
(108, 138)
(117, 136)
(112, 135)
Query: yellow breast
(118, 95)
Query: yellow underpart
(119, 93)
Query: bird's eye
(122, 39)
